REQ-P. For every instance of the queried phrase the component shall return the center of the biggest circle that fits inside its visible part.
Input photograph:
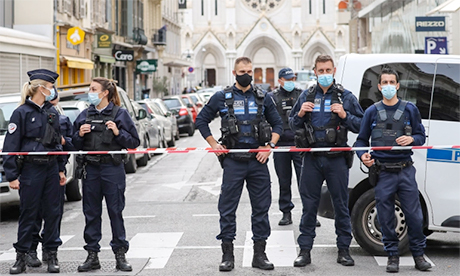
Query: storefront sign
(146, 65)
(430, 23)
(436, 45)
(123, 55)
(75, 35)
(104, 41)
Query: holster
(80, 170)
(20, 162)
(221, 159)
(349, 155)
(374, 172)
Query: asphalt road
(171, 221)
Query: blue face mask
(289, 86)
(389, 91)
(51, 95)
(325, 80)
(93, 98)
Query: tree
(160, 86)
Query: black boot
(53, 265)
(286, 220)
(122, 263)
(92, 262)
(260, 259)
(318, 224)
(32, 259)
(228, 259)
(20, 264)
(421, 264)
(393, 264)
(344, 258)
(44, 256)
(303, 259)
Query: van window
(446, 97)
(415, 79)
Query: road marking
(179, 185)
(70, 216)
(281, 248)
(205, 215)
(156, 246)
(403, 261)
(135, 217)
(10, 254)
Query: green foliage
(160, 85)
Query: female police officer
(104, 126)
(35, 127)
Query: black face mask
(244, 80)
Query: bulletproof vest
(100, 138)
(389, 125)
(237, 126)
(51, 137)
(284, 104)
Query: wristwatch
(271, 144)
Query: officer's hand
(62, 140)
(338, 108)
(14, 184)
(62, 179)
(405, 140)
(218, 146)
(366, 158)
(263, 156)
(111, 125)
(306, 107)
(85, 128)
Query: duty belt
(40, 159)
(98, 159)
(395, 167)
(329, 154)
(242, 156)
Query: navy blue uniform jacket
(411, 113)
(217, 104)
(27, 123)
(127, 138)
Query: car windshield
(144, 105)
(186, 100)
(172, 103)
(194, 98)
(71, 112)
(6, 110)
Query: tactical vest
(100, 138)
(284, 104)
(51, 137)
(233, 128)
(389, 125)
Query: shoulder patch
(12, 128)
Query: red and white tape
(210, 150)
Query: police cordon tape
(210, 150)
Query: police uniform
(239, 168)
(284, 101)
(383, 124)
(34, 128)
(332, 167)
(105, 175)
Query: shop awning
(447, 7)
(174, 62)
(106, 59)
(80, 63)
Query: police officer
(66, 141)
(104, 126)
(244, 111)
(34, 126)
(395, 122)
(325, 113)
(285, 97)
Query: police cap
(43, 74)
(286, 73)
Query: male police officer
(285, 97)
(394, 122)
(323, 114)
(244, 111)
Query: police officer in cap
(244, 111)
(325, 112)
(104, 126)
(34, 126)
(285, 97)
(395, 122)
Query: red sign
(190, 69)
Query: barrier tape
(210, 150)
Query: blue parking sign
(436, 45)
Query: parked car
(197, 100)
(183, 115)
(206, 96)
(8, 103)
(168, 114)
(190, 105)
(158, 118)
(81, 94)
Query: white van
(432, 83)
(304, 79)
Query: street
(171, 221)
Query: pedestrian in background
(104, 126)
(243, 109)
(34, 127)
(395, 122)
(324, 113)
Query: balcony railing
(159, 37)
